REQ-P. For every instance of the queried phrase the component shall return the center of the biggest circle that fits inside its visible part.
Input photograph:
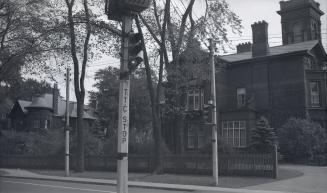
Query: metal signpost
(123, 10)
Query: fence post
(275, 162)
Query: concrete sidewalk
(18, 173)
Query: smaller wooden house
(46, 111)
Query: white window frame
(229, 133)
(197, 95)
(241, 97)
(314, 95)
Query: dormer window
(194, 99)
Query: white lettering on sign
(123, 122)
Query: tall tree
(79, 75)
(88, 35)
(179, 32)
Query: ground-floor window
(196, 137)
(36, 124)
(234, 133)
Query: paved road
(15, 185)
(12, 185)
(313, 180)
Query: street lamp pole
(214, 139)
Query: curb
(131, 184)
(147, 185)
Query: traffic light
(207, 113)
(116, 9)
(135, 51)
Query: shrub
(12, 143)
(302, 140)
(49, 142)
(140, 142)
(263, 137)
(92, 144)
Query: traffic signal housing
(207, 113)
(135, 51)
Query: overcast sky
(249, 11)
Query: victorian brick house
(277, 82)
(46, 111)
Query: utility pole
(123, 116)
(214, 113)
(67, 123)
(131, 57)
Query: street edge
(100, 183)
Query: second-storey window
(315, 94)
(194, 99)
(241, 94)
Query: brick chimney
(260, 45)
(244, 47)
(55, 98)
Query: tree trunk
(156, 123)
(80, 135)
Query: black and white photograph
(163, 96)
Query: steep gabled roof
(46, 102)
(23, 104)
(274, 51)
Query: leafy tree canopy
(106, 99)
